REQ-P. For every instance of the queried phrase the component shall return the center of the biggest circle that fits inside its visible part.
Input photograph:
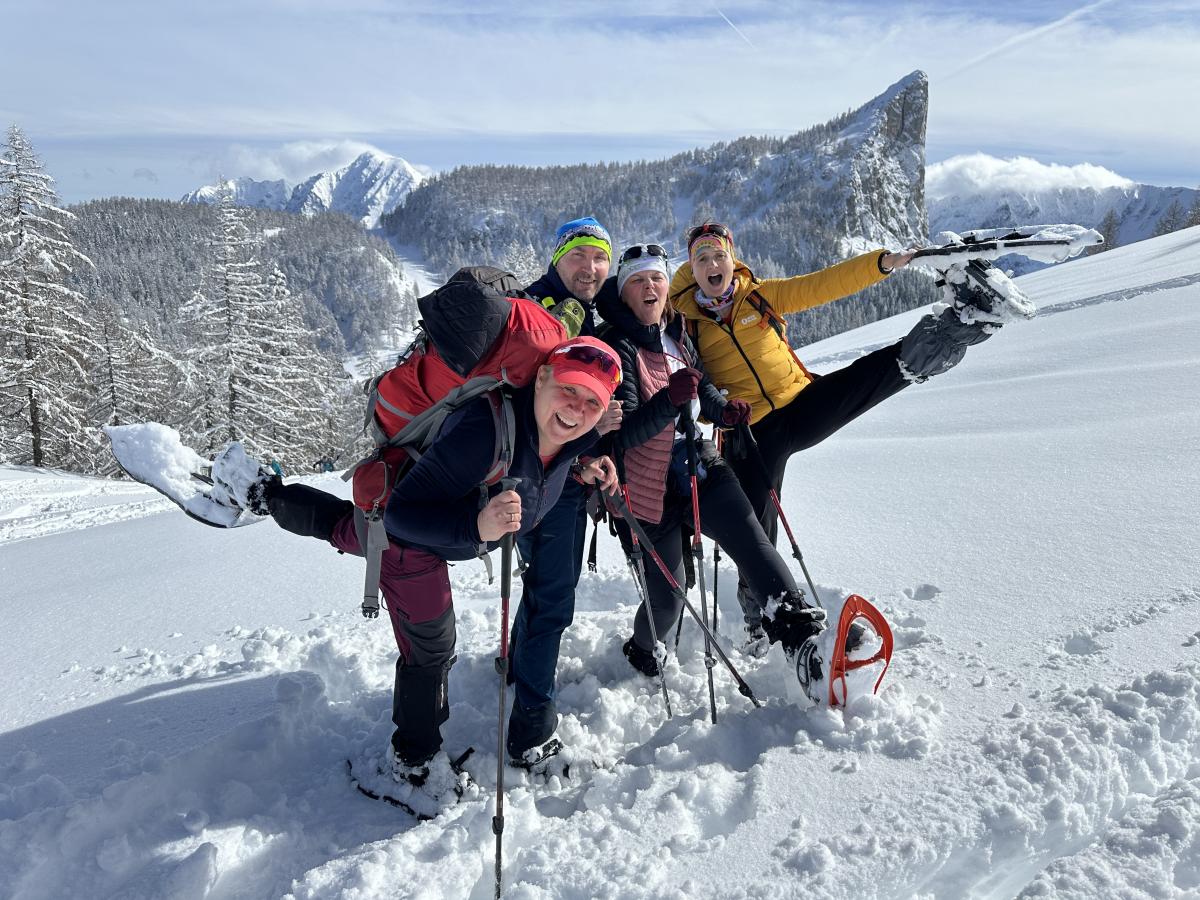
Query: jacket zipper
(749, 365)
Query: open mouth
(563, 423)
(715, 280)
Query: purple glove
(682, 386)
(736, 412)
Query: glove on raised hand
(683, 386)
(736, 412)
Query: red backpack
(479, 335)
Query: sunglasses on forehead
(709, 228)
(637, 251)
(592, 357)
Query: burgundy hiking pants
(416, 590)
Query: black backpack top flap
(464, 316)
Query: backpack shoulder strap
(763, 308)
(505, 421)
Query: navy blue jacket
(435, 507)
(550, 287)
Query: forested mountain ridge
(796, 203)
(149, 258)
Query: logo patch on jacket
(750, 319)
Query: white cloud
(293, 162)
(978, 172)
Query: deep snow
(181, 700)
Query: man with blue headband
(553, 551)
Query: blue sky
(155, 98)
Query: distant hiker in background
(661, 375)
(434, 514)
(275, 466)
(553, 551)
(736, 322)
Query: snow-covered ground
(180, 701)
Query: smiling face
(645, 293)
(562, 411)
(583, 270)
(713, 268)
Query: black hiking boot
(790, 621)
(642, 660)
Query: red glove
(736, 412)
(682, 386)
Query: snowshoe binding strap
(857, 608)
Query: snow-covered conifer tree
(1193, 216)
(1171, 220)
(44, 390)
(257, 375)
(132, 378)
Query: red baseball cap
(589, 363)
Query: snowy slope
(181, 700)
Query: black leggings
(819, 410)
(727, 517)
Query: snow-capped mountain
(371, 185)
(246, 192)
(980, 191)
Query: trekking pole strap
(377, 542)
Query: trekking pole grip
(506, 546)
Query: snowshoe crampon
(825, 683)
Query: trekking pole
(689, 427)
(637, 567)
(718, 439)
(506, 558)
(779, 510)
(617, 503)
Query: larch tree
(257, 375)
(44, 389)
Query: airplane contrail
(1028, 36)
(734, 27)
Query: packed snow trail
(182, 700)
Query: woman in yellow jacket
(736, 322)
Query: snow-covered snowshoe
(423, 791)
(154, 455)
(541, 759)
(981, 293)
(1044, 243)
(821, 662)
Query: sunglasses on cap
(637, 251)
(592, 357)
(709, 228)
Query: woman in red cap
(434, 515)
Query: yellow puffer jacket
(745, 354)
